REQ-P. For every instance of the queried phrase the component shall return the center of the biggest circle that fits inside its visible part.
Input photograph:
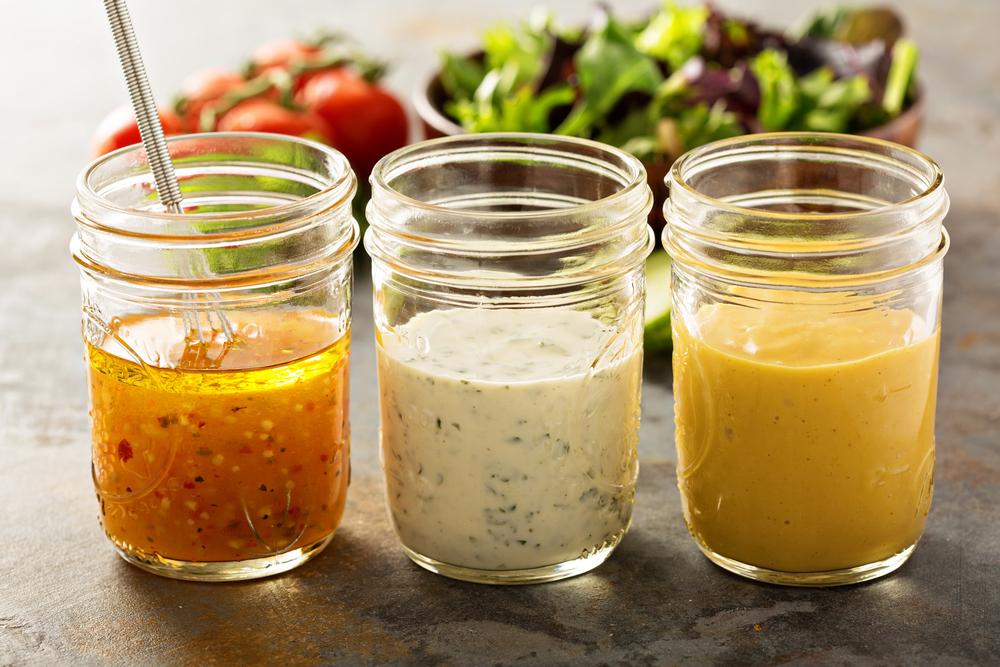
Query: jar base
(844, 577)
(237, 570)
(535, 575)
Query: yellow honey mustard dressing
(221, 456)
(805, 444)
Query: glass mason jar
(807, 305)
(217, 352)
(509, 288)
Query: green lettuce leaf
(674, 34)
(817, 102)
(827, 105)
(779, 95)
(460, 76)
(608, 66)
(671, 125)
(518, 55)
(902, 73)
(702, 124)
(524, 111)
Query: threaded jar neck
(509, 210)
(258, 208)
(805, 209)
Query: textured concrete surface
(65, 598)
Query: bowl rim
(425, 109)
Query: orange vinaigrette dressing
(243, 460)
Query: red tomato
(368, 122)
(305, 77)
(262, 115)
(119, 129)
(202, 89)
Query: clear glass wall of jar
(219, 457)
(807, 299)
(509, 277)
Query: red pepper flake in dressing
(124, 450)
(189, 485)
(323, 458)
(310, 406)
(246, 449)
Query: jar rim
(438, 210)
(340, 189)
(871, 231)
(677, 177)
(381, 173)
(278, 208)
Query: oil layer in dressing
(505, 445)
(805, 444)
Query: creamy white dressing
(509, 436)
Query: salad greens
(608, 66)
(817, 101)
(685, 76)
(675, 34)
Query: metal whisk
(151, 131)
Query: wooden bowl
(429, 99)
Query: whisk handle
(143, 105)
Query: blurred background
(60, 76)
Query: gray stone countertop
(66, 599)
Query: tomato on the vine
(282, 54)
(367, 121)
(203, 89)
(263, 115)
(119, 129)
(322, 90)
(300, 60)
